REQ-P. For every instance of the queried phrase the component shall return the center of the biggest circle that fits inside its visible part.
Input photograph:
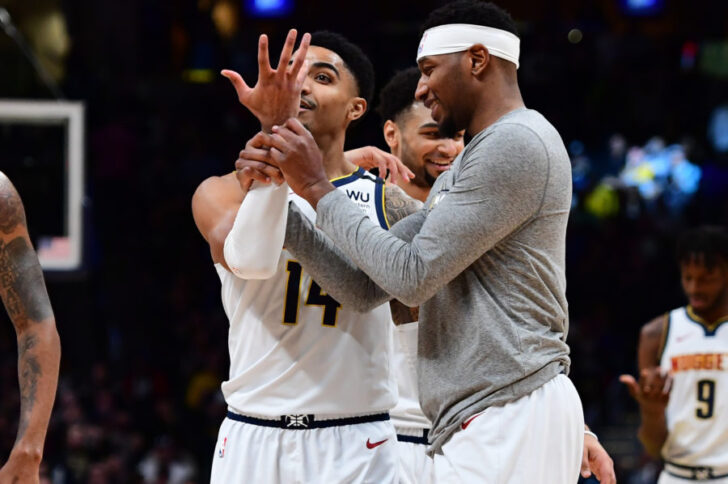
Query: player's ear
(392, 134)
(478, 58)
(357, 108)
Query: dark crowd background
(142, 326)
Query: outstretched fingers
(264, 67)
(241, 88)
(286, 53)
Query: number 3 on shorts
(315, 298)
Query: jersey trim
(709, 328)
(380, 204)
(343, 180)
(665, 333)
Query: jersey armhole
(380, 203)
(665, 333)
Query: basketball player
(484, 259)
(413, 137)
(683, 361)
(39, 350)
(310, 380)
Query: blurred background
(638, 90)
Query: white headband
(446, 39)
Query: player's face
(329, 100)
(705, 288)
(441, 90)
(424, 149)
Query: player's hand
(20, 468)
(296, 153)
(596, 461)
(254, 163)
(370, 157)
(277, 94)
(652, 391)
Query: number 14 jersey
(696, 355)
(296, 350)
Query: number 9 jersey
(295, 349)
(696, 355)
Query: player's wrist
(316, 191)
(28, 453)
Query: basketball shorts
(415, 466)
(537, 438)
(357, 453)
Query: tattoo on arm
(11, 209)
(399, 205)
(29, 372)
(21, 283)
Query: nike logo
(465, 424)
(683, 337)
(371, 445)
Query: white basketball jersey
(697, 413)
(294, 349)
(407, 413)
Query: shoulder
(398, 204)
(12, 213)
(217, 187)
(654, 329)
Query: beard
(409, 159)
(448, 128)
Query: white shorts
(360, 453)
(415, 466)
(537, 438)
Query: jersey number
(706, 397)
(315, 298)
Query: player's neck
(414, 191)
(717, 312)
(335, 163)
(494, 103)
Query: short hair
(355, 60)
(398, 95)
(476, 12)
(707, 244)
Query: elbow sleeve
(254, 244)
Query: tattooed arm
(26, 302)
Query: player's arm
(215, 205)
(652, 389)
(331, 268)
(26, 301)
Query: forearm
(329, 267)
(39, 353)
(653, 430)
(253, 245)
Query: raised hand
(652, 391)
(296, 153)
(277, 94)
(253, 163)
(370, 157)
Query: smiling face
(329, 97)
(442, 89)
(421, 146)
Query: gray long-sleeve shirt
(484, 259)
